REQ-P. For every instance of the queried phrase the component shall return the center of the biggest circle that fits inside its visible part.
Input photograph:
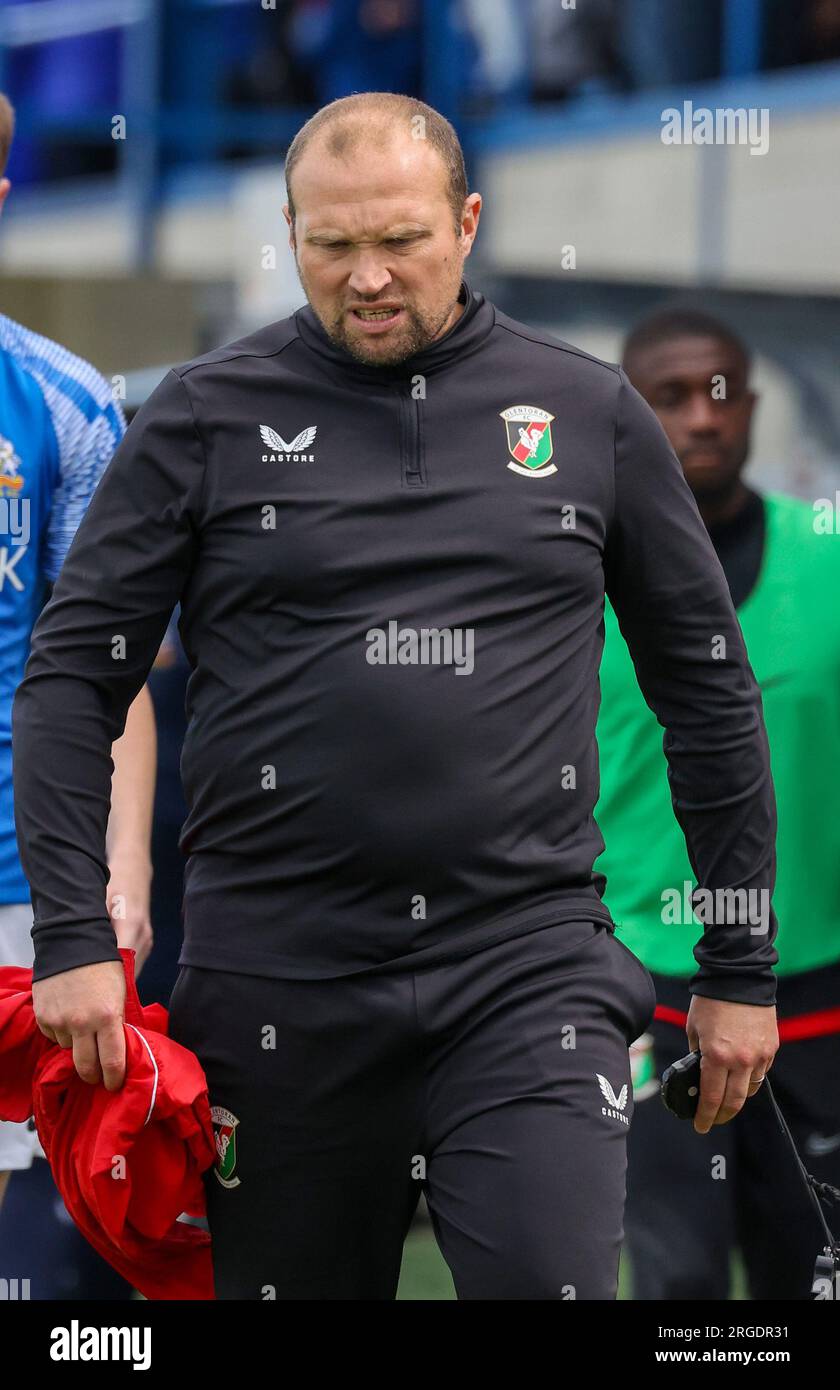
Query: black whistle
(681, 1086)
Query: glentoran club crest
(529, 440)
(224, 1131)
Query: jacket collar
(466, 334)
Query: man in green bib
(695, 1198)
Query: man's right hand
(83, 1009)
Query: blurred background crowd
(70, 64)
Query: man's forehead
(688, 357)
(406, 178)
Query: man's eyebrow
(690, 378)
(405, 229)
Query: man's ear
(288, 218)
(5, 188)
(469, 221)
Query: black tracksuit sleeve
(92, 648)
(673, 605)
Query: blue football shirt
(59, 426)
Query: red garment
(128, 1163)
(792, 1029)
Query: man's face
(375, 232)
(707, 423)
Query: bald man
(390, 521)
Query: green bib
(791, 626)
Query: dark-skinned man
(693, 1199)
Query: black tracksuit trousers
(497, 1083)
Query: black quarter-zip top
(391, 585)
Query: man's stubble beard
(717, 492)
(417, 332)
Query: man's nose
(369, 276)
(703, 413)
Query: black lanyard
(816, 1190)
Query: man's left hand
(738, 1043)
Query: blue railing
(170, 59)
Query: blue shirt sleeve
(87, 437)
